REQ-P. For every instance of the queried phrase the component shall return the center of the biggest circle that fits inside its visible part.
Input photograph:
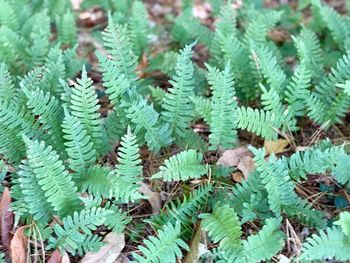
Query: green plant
(83, 155)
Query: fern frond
(258, 28)
(224, 227)
(341, 171)
(223, 122)
(33, 194)
(176, 104)
(96, 181)
(146, 119)
(265, 63)
(84, 106)
(75, 235)
(138, 26)
(274, 176)
(182, 211)
(166, 247)
(182, 166)
(52, 177)
(202, 108)
(78, 144)
(67, 31)
(126, 177)
(262, 123)
(330, 243)
(8, 16)
(265, 244)
(117, 42)
(7, 88)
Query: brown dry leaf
(18, 246)
(6, 218)
(276, 147)
(246, 165)
(108, 253)
(237, 177)
(232, 157)
(202, 11)
(153, 197)
(56, 257)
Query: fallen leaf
(65, 258)
(18, 246)
(6, 218)
(246, 165)
(237, 176)
(122, 259)
(241, 158)
(276, 147)
(153, 198)
(231, 157)
(56, 257)
(108, 253)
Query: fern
(262, 123)
(78, 144)
(330, 243)
(275, 177)
(75, 236)
(7, 88)
(222, 120)
(52, 177)
(138, 27)
(96, 181)
(84, 106)
(223, 226)
(163, 248)
(265, 244)
(126, 177)
(8, 16)
(183, 166)
(176, 104)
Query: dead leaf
(246, 165)
(65, 258)
(76, 4)
(6, 218)
(153, 198)
(276, 147)
(18, 246)
(108, 253)
(237, 177)
(56, 257)
(122, 259)
(241, 158)
(197, 248)
(202, 11)
(231, 157)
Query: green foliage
(182, 166)
(166, 247)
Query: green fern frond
(262, 123)
(117, 42)
(33, 194)
(166, 247)
(126, 177)
(224, 227)
(75, 235)
(8, 16)
(182, 166)
(52, 177)
(84, 106)
(96, 181)
(274, 176)
(265, 244)
(202, 108)
(7, 88)
(118, 219)
(67, 31)
(176, 104)
(78, 144)
(341, 171)
(265, 63)
(146, 121)
(182, 211)
(330, 243)
(223, 122)
(138, 26)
